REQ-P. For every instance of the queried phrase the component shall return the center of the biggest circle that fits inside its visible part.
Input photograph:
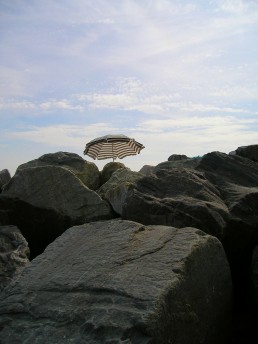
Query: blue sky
(181, 77)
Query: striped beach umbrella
(112, 146)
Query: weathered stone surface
(56, 196)
(222, 168)
(147, 170)
(14, 254)
(121, 282)
(4, 178)
(116, 188)
(178, 197)
(176, 157)
(109, 169)
(250, 152)
(86, 171)
(191, 163)
(237, 180)
(56, 188)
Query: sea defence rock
(109, 169)
(177, 197)
(58, 196)
(52, 187)
(250, 152)
(176, 157)
(191, 163)
(147, 170)
(121, 282)
(236, 178)
(14, 254)
(86, 171)
(4, 178)
(116, 188)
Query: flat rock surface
(121, 282)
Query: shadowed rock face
(250, 152)
(178, 197)
(45, 201)
(14, 254)
(39, 226)
(4, 178)
(236, 178)
(119, 281)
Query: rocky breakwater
(119, 281)
(217, 193)
(168, 212)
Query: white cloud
(63, 104)
(176, 74)
(14, 105)
(62, 135)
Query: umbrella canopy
(112, 146)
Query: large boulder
(86, 171)
(109, 169)
(147, 170)
(236, 178)
(176, 157)
(177, 197)
(250, 152)
(57, 188)
(122, 282)
(14, 254)
(58, 196)
(4, 178)
(191, 163)
(116, 188)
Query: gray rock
(86, 171)
(116, 188)
(176, 157)
(58, 189)
(14, 254)
(147, 170)
(109, 169)
(236, 178)
(177, 197)
(250, 152)
(4, 178)
(186, 163)
(121, 282)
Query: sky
(178, 76)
